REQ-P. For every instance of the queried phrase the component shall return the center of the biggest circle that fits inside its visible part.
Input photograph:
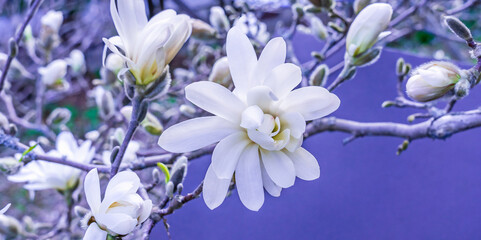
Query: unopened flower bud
(150, 123)
(12, 47)
(53, 75)
(114, 63)
(400, 67)
(9, 165)
(169, 189)
(461, 88)
(107, 105)
(319, 75)
(359, 5)
(218, 19)
(367, 58)
(10, 227)
(336, 27)
(458, 28)
(366, 27)
(156, 176)
(76, 61)
(59, 116)
(187, 110)
(317, 28)
(297, 10)
(220, 72)
(52, 20)
(432, 81)
(202, 30)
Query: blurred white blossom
(121, 209)
(76, 61)
(54, 73)
(260, 125)
(52, 21)
(41, 175)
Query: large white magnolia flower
(40, 175)
(147, 46)
(121, 210)
(260, 124)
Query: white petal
(261, 96)
(307, 167)
(92, 190)
(216, 99)
(269, 185)
(181, 33)
(66, 144)
(95, 233)
(295, 122)
(226, 154)
(273, 55)
(312, 102)
(195, 133)
(215, 189)
(5, 208)
(248, 178)
(294, 143)
(118, 223)
(146, 209)
(283, 79)
(279, 167)
(242, 58)
(252, 117)
(115, 50)
(121, 185)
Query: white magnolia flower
(130, 154)
(5, 209)
(367, 27)
(148, 46)
(432, 81)
(260, 124)
(52, 21)
(54, 73)
(41, 175)
(121, 210)
(249, 24)
(76, 61)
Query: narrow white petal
(146, 209)
(279, 167)
(283, 79)
(295, 122)
(226, 154)
(216, 99)
(181, 32)
(307, 167)
(252, 117)
(5, 208)
(269, 185)
(242, 58)
(249, 178)
(92, 190)
(312, 102)
(95, 233)
(195, 133)
(117, 222)
(66, 144)
(215, 189)
(125, 181)
(273, 55)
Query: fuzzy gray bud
(114, 153)
(319, 76)
(12, 47)
(458, 28)
(156, 176)
(461, 88)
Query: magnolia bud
(187, 110)
(9, 165)
(59, 116)
(169, 189)
(10, 227)
(53, 75)
(202, 30)
(297, 10)
(317, 28)
(359, 5)
(461, 88)
(432, 80)
(218, 19)
(150, 123)
(80, 211)
(366, 27)
(51, 23)
(319, 75)
(458, 28)
(76, 61)
(107, 105)
(367, 58)
(220, 72)
(114, 63)
(12, 47)
(156, 176)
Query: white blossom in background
(52, 21)
(121, 209)
(220, 72)
(218, 19)
(432, 80)
(147, 46)
(367, 28)
(76, 61)
(250, 25)
(114, 63)
(41, 175)
(54, 73)
(5, 209)
(260, 124)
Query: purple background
(431, 191)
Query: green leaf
(165, 170)
(27, 152)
